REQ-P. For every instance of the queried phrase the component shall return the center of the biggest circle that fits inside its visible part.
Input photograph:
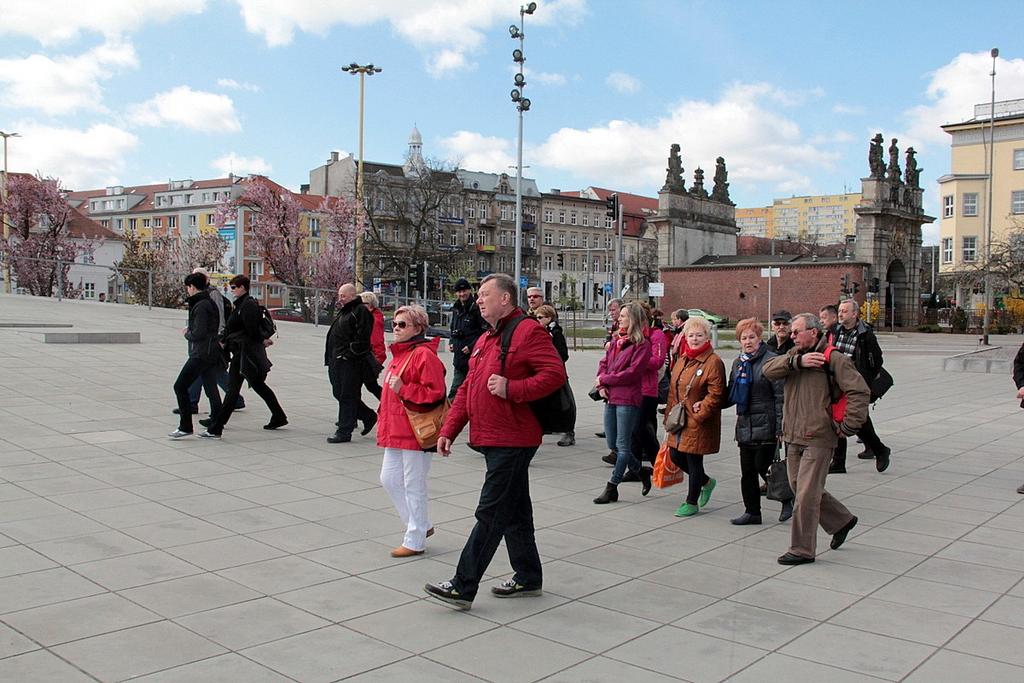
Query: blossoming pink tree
(169, 259)
(40, 247)
(272, 216)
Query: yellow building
(822, 219)
(964, 190)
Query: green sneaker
(705, 492)
(687, 510)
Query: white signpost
(771, 274)
(656, 289)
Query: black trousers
(696, 478)
(868, 435)
(504, 511)
(346, 384)
(645, 433)
(222, 381)
(235, 379)
(194, 370)
(754, 462)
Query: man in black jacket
(243, 338)
(857, 340)
(346, 356)
(466, 327)
(781, 340)
(1018, 380)
(204, 356)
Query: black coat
(558, 339)
(780, 349)
(466, 327)
(763, 420)
(243, 339)
(349, 335)
(1018, 370)
(203, 324)
(867, 354)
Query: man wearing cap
(781, 341)
(466, 327)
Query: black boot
(787, 510)
(838, 465)
(609, 495)
(645, 479)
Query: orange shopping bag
(665, 471)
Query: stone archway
(899, 308)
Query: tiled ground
(264, 557)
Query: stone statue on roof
(698, 184)
(876, 161)
(674, 173)
(720, 191)
(913, 172)
(893, 172)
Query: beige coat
(806, 414)
(703, 432)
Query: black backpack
(555, 412)
(268, 328)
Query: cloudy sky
(112, 91)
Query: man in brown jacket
(811, 434)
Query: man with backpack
(816, 378)
(246, 337)
(504, 378)
(346, 356)
(204, 362)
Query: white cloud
(622, 82)
(476, 152)
(449, 31)
(81, 158)
(844, 108)
(760, 146)
(539, 77)
(239, 165)
(188, 108)
(954, 89)
(55, 21)
(63, 84)
(232, 84)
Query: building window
(157, 222)
(172, 221)
(89, 290)
(502, 264)
(607, 221)
(969, 204)
(970, 252)
(255, 268)
(608, 266)
(573, 240)
(505, 212)
(470, 211)
(1018, 160)
(586, 219)
(314, 227)
(132, 223)
(597, 264)
(572, 218)
(193, 220)
(549, 216)
(547, 262)
(481, 237)
(533, 241)
(586, 239)
(1017, 202)
(396, 235)
(947, 249)
(502, 238)
(211, 219)
(947, 206)
(561, 239)
(561, 216)
(469, 237)
(573, 263)
(453, 238)
(549, 239)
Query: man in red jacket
(503, 427)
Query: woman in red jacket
(414, 380)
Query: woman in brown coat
(698, 381)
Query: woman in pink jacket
(620, 376)
(645, 432)
(414, 381)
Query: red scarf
(692, 353)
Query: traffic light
(874, 286)
(844, 284)
(416, 275)
(613, 206)
(856, 287)
(561, 261)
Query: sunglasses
(235, 286)
(401, 324)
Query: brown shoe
(402, 551)
(430, 532)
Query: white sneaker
(177, 434)
(207, 435)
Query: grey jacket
(763, 420)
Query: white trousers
(403, 474)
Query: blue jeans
(619, 422)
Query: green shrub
(930, 329)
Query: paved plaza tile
(264, 556)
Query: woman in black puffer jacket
(758, 402)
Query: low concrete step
(92, 338)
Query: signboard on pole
(607, 288)
(522, 281)
(656, 289)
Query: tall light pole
(522, 105)
(362, 71)
(3, 212)
(988, 222)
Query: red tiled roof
(83, 227)
(631, 203)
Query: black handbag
(881, 384)
(595, 394)
(778, 478)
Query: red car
(289, 314)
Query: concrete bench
(92, 338)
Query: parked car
(716, 320)
(289, 314)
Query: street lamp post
(362, 71)
(3, 212)
(522, 105)
(988, 223)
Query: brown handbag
(426, 425)
(675, 418)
